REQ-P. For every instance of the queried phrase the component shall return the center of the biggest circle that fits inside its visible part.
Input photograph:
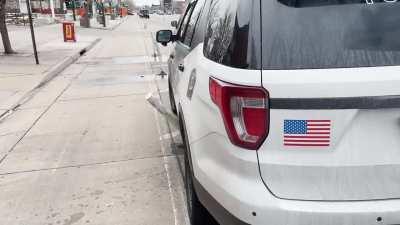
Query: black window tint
(192, 22)
(313, 3)
(184, 21)
(233, 33)
(200, 28)
(307, 34)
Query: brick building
(166, 5)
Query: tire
(172, 99)
(198, 214)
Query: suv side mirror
(164, 37)
(174, 24)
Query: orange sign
(69, 31)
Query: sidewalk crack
(87, 164)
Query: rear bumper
(220, 213)
(230, 186)
(308, 213)
(333, 213)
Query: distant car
(130, 12)
(144, 13)
(289, 111)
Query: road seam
(165, 159)
(86, 164)
(166, 167)
(100, 97)
(40, 116)
(50, 74)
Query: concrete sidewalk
(89, 149)
(20, 76)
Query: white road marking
(166, 162)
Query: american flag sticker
(307, 133)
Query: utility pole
(28, 6)
(104, 14)
(73, 10)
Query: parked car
(131, 12)
(289, 111)
(144, 13)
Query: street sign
(69, 31)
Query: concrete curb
(50, 75)
(61, 66)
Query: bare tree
(3, 29)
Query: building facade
(179, 6)
(166, 5)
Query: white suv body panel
(231, 175)
(362, 161)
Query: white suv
(290, 110)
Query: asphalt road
(89, 149)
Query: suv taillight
(244, 110)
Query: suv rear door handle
(181, 68)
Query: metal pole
(119, 8)
(73, 10)
(28, 5)
(104, 14)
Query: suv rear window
(305, 34)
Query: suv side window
(233, 36)
(200, 28)
(185, 20)
(193, 21)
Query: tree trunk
(3, 29)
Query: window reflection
(228, 36)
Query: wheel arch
(184, 134)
